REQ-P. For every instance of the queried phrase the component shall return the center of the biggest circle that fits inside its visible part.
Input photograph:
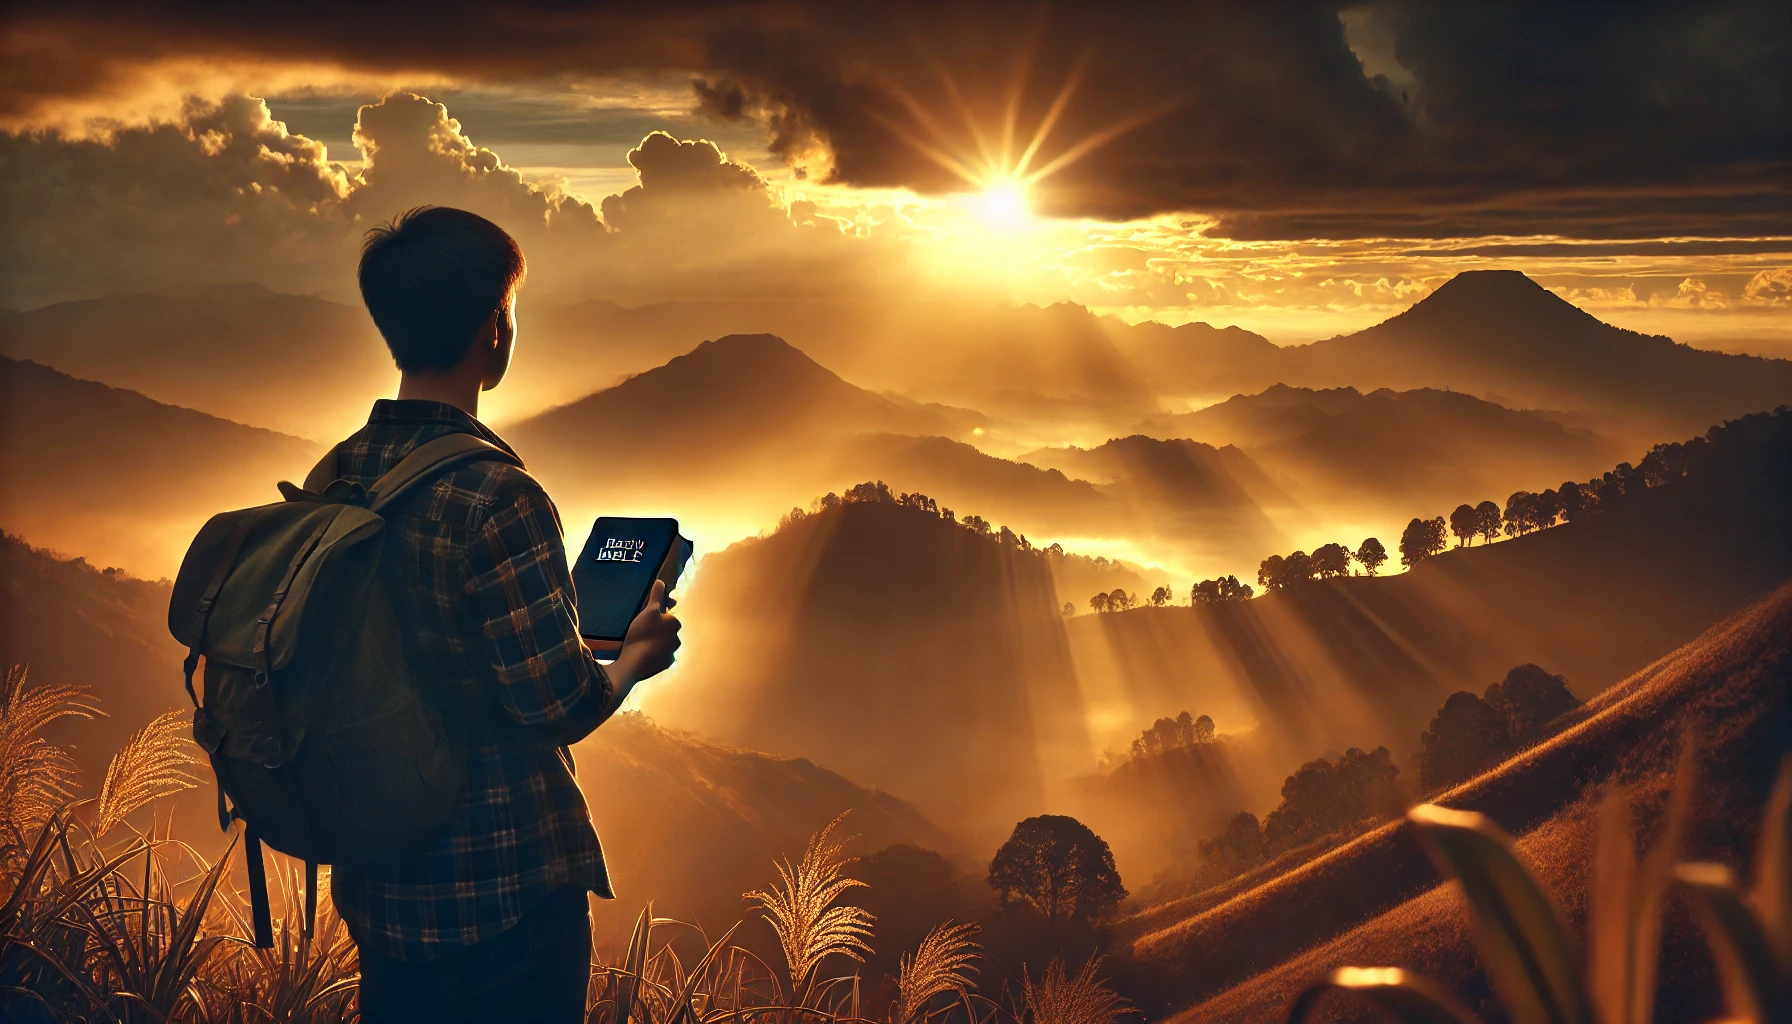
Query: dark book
(614, 574)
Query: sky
(1301, 170)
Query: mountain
(1026, 497)
(293, 363)
(1196, 359)
(1376, 901)
(908, 652)
(1191, 496)
(121, 478)
(1411, 448)
(1361, 662)
(1499, 334)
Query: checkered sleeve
(518, 581)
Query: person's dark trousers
(536, 971)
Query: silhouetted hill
(1413, 447)
(909, 653)
(123, 479)
(294, 363)
(1183, 493)
(1196, 358)
(1375, 901)
(1499, 334)
(691, 825)
(1362, 662)
(730, 410)
(958, 475)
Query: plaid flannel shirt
(481, 554)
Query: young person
(488, 922)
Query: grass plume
(1062, 998)
(801, 909)
(941, 964)
(36, 776)
(154, 762)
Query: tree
(1203, 729)
(1297, 568)
(1219, 591)
(1577, 502)
(1238, 849)
(1100, 603)
(1055, 865)
(1471, 734)
(1331, 560)
(1371, 555)
(1269, 573)
(1489, 515)
(1119, 600)
(1161, 596)
(1466, 737)
(1322, 797)
(1421, 539)
(1069, 609)
(1527, 700)
(1465, 523)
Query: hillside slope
(1378, 895)
(121, 478)
(1360, 662)
(907, 652)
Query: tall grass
(103, 921)
(1538, 968)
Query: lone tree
(1371, 555)
(1421, 539)
(1055, 865)
(1465, 523)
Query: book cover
(614, 575)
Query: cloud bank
(1282, 121)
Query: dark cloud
(1284, 120)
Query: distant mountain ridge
(1412, 447)
(122, 478)
(1498, 333)
(294, 363)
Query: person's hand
(651, 641)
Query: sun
(1004, 206)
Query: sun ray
(1094, 142)
(1050, 120)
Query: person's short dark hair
(431, 277)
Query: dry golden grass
(36, 776)
(1063, 998)
(1729, 688)
(801, 909)
(943, 963)
(155, 761)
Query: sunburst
(1001, 178)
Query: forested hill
(1329, 663)
(910, 652)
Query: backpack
(320, 726)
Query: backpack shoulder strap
(430, 458)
